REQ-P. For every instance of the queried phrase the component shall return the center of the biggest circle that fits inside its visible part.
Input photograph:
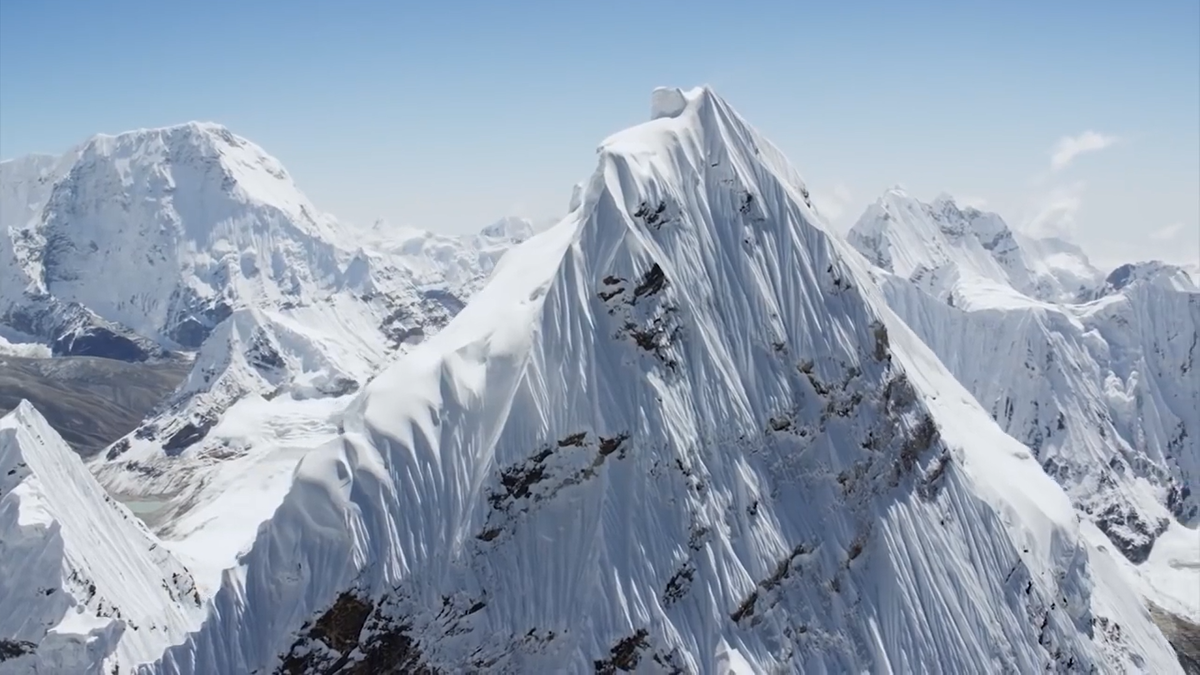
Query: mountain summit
(680, 431)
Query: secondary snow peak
(944, 247)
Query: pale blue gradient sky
(448, 115)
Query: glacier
(687, 429)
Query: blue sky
(449, 115)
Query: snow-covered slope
(84, 588)
(1061, 260)
(264, 365)
(191, 239)
(26, 306)
(679, 431)
(1104, 393)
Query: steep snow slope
(27, 309)
(84, 588)
(938, 246)
(267, 386)
(1104, 393)
(675, 432)
(192, 239)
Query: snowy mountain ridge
(1166, 275)
(594, 466)
(212, 221)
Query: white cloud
(1055, 213)
(1167, 233)
(973, 202)
(833, 204)
(1069, 147)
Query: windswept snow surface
(84, 587)
(1104, 393)
(679, 431)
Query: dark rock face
(100, 342)
(194, 320)
(73, 330)
(189, 333)
(188, 435)
(448, 301)
(1119, 277)
(11, 649)
(355, 636)
(1129, 531)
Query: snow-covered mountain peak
(198, 160)
(597, 466)
(159, 233)
(700, 124)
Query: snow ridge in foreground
(679, 431)
(84, 587)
